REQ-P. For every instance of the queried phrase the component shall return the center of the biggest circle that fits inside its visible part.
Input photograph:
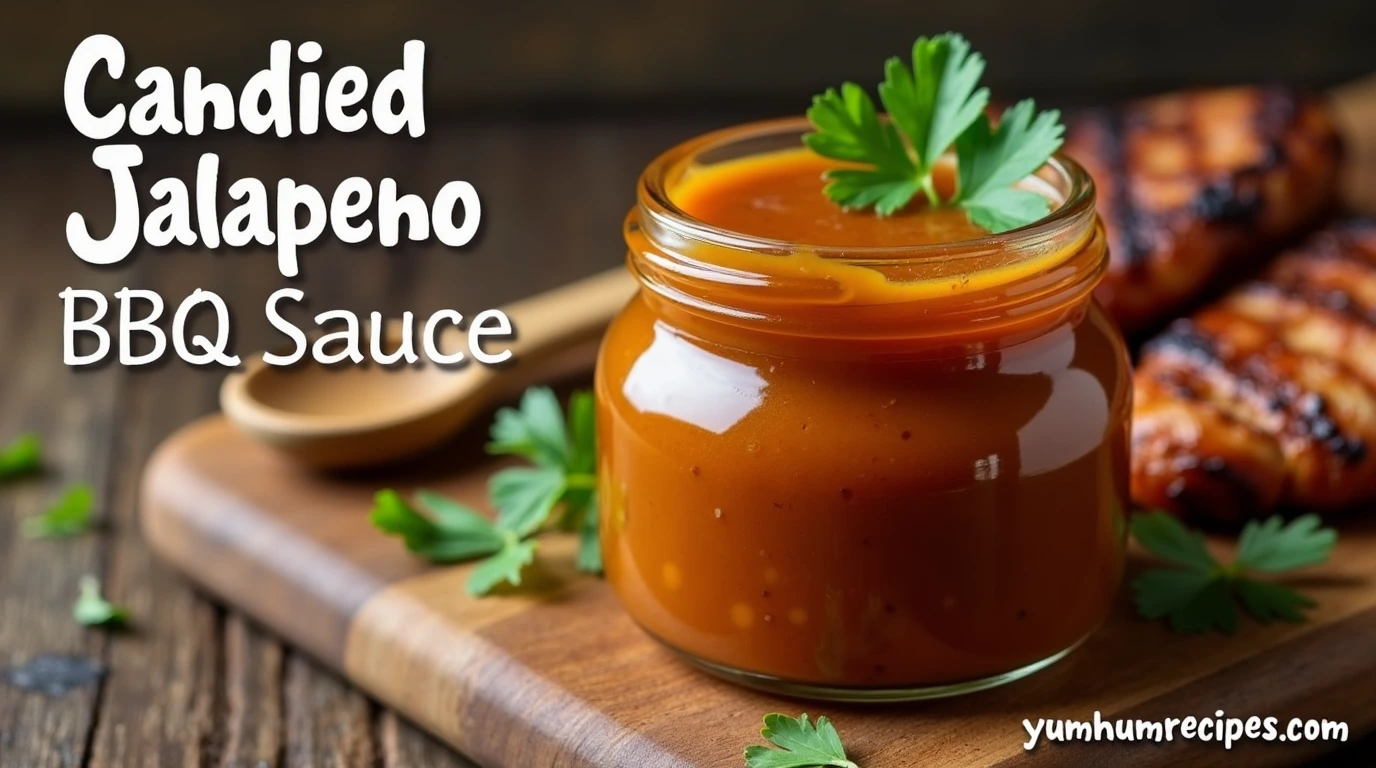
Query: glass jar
(862, 473)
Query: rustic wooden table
(194, 683)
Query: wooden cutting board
(556, 674)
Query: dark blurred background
(758, 57)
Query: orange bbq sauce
(857, 519)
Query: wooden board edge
(239, 554)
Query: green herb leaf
(991, 160)
(503, 567)
(589, 547)
(1271, 547)
(1202, 594)
(931, 107)
(801, 745)
(564, 454)
(524, 497)
(582, 433)
(935, 101)
(535, 431)
(68, 516)
(1164, 536)
(456, 533)
(92, 610)
(23, 456)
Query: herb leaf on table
(932, 105)
(559, 489)
(1199, 593)
(70, 515)
(93, 610)
(22, 456)
(800, 744)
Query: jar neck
(959, 298)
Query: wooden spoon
(357, 415)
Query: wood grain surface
(554, 673)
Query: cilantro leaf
(92, 610)
(68, 516)
(535, 431)
(935, 104)
(23, 456)
(801, 745)
(505, 566)
(1201, 594)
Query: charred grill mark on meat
(1267, 398)
(1196, 186)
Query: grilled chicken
(1267, 398)
(1194, 186)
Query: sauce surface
(779, 196)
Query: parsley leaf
(23, 456)
(849, 128)
(524, 496)
(505, 566)
(936, 100)
(534, 431)
(992, 160)
(68, 516)
(453, 533)
(801, 745)
(560, 488)
(931, 106)
(1201, 594)
(92, 610)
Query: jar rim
(655, 202)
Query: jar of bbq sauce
(859, 458)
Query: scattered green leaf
(535, 431)
(801, 745)
(92, 610)
(559, 489)
(1200, 593)
(932, 106)
(505, 566)
(453, 533)
(70, 515)
(525, 496)
(23, 456)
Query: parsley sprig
(932, 105)
(557, 489)
(22, 456)
(93, 610)
(801, 745)
(70, 515)
(1199, 593)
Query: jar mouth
(1066, 178)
